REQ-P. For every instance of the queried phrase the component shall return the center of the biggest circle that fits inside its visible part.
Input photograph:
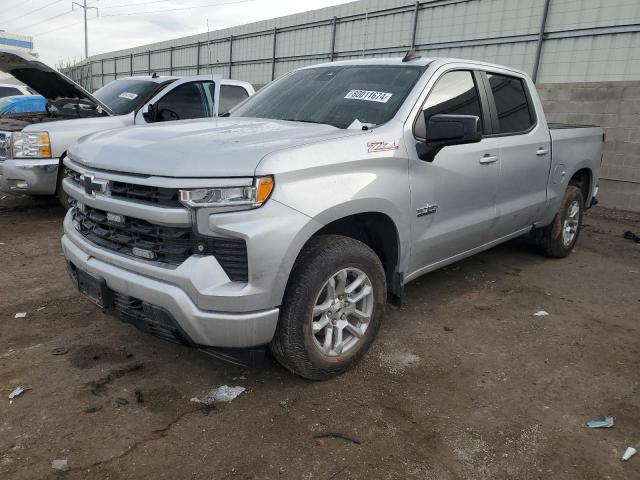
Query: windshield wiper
(303, 121)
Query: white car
(33, 145)
(9, 90)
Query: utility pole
(84, 7)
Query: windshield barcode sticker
(128, 96)
(369, 96)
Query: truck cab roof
(415, 61)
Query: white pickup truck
(32, 145)
(293, 221)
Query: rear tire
(558, 239)
(332, 307)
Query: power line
(175, 9)
(45, 20)
(22, 2)
(122, 5)
(50, 4)
(57, 28)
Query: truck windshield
(124, 96)
(335, 95)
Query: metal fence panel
(572, 14)
(252, 48)
(595, 40)
(588, 59)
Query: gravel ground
(498, 393)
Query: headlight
(232, 198)
(30, 145)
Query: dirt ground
(498, 394)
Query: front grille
(165, 197)
(170, 245)
(5, 144)
(149, 318)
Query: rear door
(185, 99)
(525, 152)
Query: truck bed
(573, 147)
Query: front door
(452, 197)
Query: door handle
(541, 152)
(487, 158)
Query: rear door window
(230, 96)
(512, 104)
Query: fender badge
(428, 209)
(381, 146)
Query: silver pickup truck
(32, 145)
(295, 220)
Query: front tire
(61, 195)
(332, 307)
(558, 239)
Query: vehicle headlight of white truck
(30, 145)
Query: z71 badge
(381, 146)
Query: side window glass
(184, 102)
(512, 105)
(9, 91)
(230, 96)
(455, 93)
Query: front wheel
(558, 239)
(332, 308)
(61, 195)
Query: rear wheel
(332, 307)
(558, 239)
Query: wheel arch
(379, 232)
(583, 179)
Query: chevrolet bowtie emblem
(93, 186)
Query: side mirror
(445, 130)
(150, 113)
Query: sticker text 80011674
(369, 96)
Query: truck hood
(217, 147)
(48, 82)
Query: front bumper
(201, 327)
(34, 177)
(209, 307)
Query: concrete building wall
(616, 107)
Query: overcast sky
(58, 31)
